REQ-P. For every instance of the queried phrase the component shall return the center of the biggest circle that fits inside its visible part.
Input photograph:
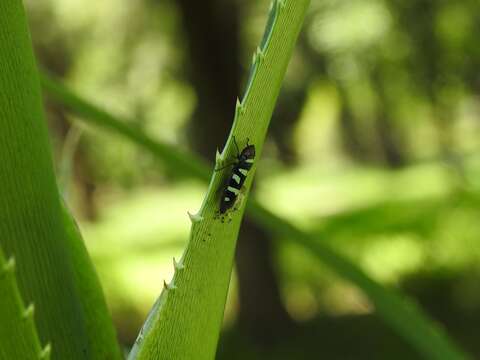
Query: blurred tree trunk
(389, 142)
(261, 312)
(212, 31)
(383, 146)
(286, 115)
(354, 143)
(389, 137)
(349, 132)
(429, 68)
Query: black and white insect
(243, 163)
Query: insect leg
(224, 167)
(236, 145)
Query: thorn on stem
(9, 266)
(239, 107)
(178, 265)
(218, 157)
(29, 311)
(272, 5)
(168, 286)
(194, 218)
(260, 54)
(46, 352)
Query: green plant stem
(186, 321)
(31, 216)
(399, 313)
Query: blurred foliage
(385, 142)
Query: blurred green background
(374, 147)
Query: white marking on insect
(227, 199)
(243, 172)
(249, 161)
(236, 178)
(233, 190)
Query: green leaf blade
(31, 219)
(18, 335)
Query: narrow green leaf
(182, 163)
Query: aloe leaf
(18, 335)
(32, 230)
